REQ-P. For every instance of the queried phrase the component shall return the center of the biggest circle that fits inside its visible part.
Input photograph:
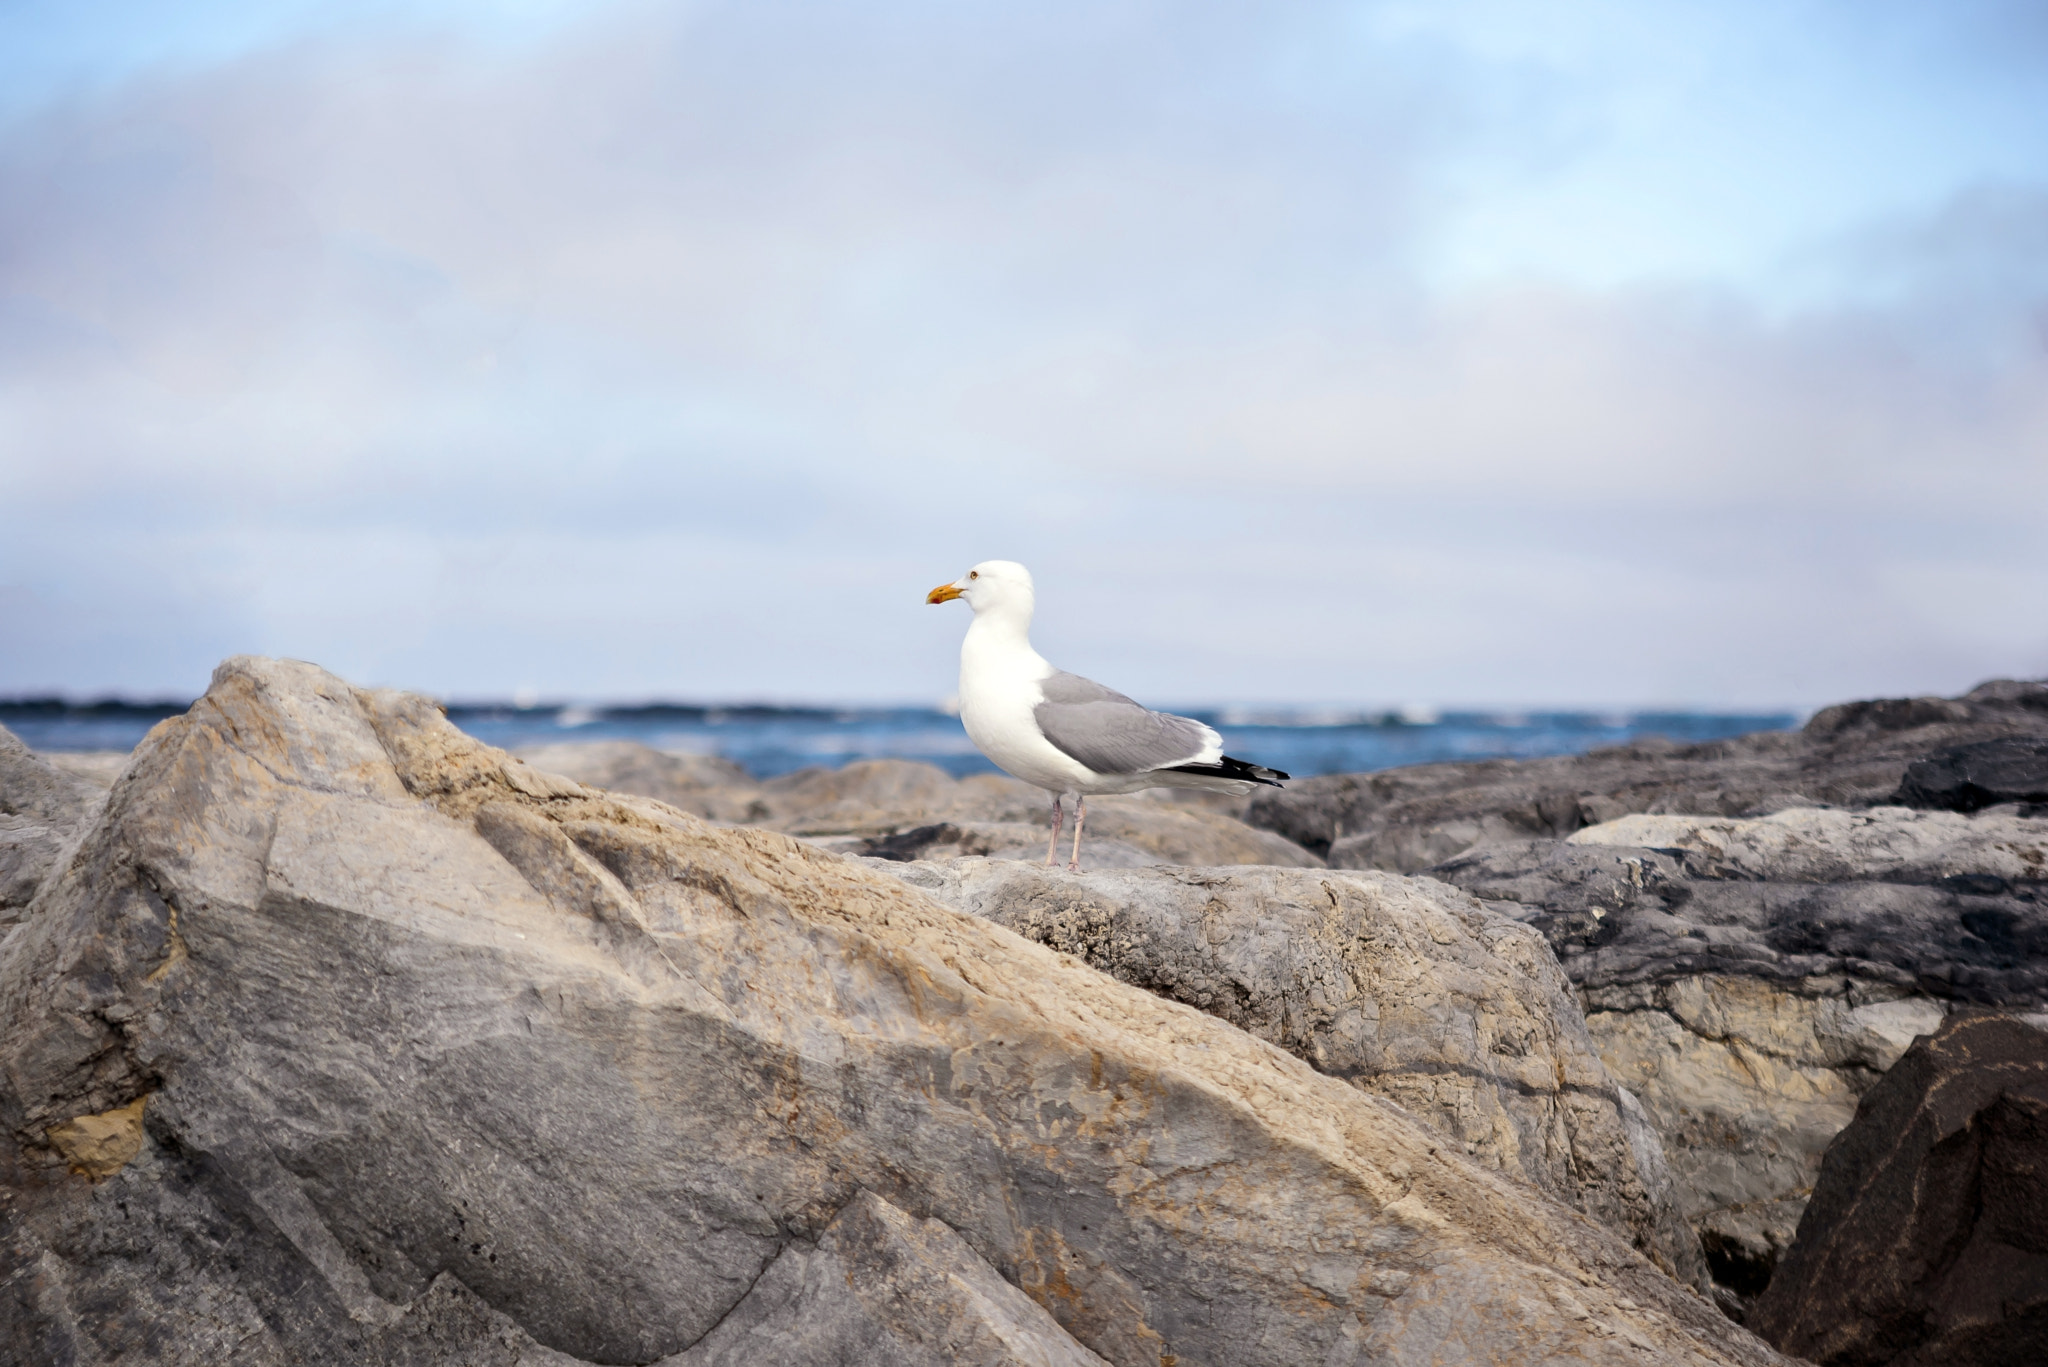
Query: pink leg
(1052, 845)
(1080, 815)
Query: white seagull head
(1002, 585)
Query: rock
(1880, 844)
(42, 809)
(1924, 1241)
(995, 840)
(99, 768)
(1176, 833)
(1946, 906)
(879, 796)
(1851, 755)
(1404, 987)
(895, 808)
(881, 1287)
(1749, 980)
(875, 800)
(440, 1058)
(1969, 778)
(1746, 1083)
(99, 1145)
(702, 785)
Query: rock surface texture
(883, 1288)
(1750, 979)
(344, 1038)
(702, 785)
(1927, 1237)
(1969, 778)
(903, 809)
(1850, 755)
(1404, 987)
(98, 768)
(42, 809)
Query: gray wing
(1111, 734)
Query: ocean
(771, 740)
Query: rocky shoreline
(1755, 928)
(1748, 977)
(335, 1035)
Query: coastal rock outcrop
(345, 1038)
(42, 809)
(1757, 927)
(1926, 1240)
(906, 809)
(1750, 979)
(1851, 755)
(1404, 987)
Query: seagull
(1066, 734)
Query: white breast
(998, 690)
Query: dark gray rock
(1954, 908)
(1926, 1241)
(171, 1261)
(1851, 755)
(42, 810)
(915, 843)
(1969, 778)
(1750, 979)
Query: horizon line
(1345, 713)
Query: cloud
(665, 355)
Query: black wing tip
(1236, 769)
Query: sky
(1454, 353)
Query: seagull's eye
(974, 574)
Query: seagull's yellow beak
(944, 593)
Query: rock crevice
(1923, 1242)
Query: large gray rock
(345, 1038)
(1851, 755)
(1750, 979)
(1404, 987)
(42, 809)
